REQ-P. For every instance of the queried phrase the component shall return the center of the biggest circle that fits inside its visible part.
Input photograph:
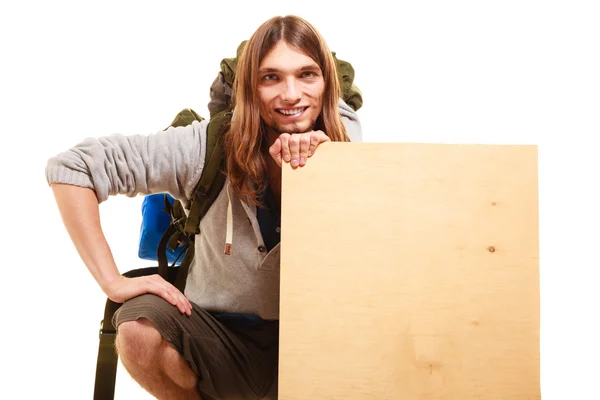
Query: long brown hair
(244, 141)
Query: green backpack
(183, 229)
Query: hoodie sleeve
(351, 122)
(167, 161)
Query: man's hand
(296, 148)
(124, 288)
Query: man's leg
(169, 353)
(156, 365)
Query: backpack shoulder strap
(175, 235)
(212, 178)
(184, 228)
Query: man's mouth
(291, 111)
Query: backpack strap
(183, 229)
(213, 177)
(106, 364)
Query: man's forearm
(81, 215)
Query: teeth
(292, 112)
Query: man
(219, 339)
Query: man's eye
(270, 77)
(308, 74)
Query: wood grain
(410, 272)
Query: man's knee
(138, 341)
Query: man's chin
(293, 128)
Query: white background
(518, 72)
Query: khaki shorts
(232, 362)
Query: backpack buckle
(102, 332)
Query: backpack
(166, 233)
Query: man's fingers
(305, 140)
(179, 300)
(275, 151)
(285, 147)
(294, 146)
(297, 148)
(322, 137)
(315, 140)
(170, 293)
(182, 303)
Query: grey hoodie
(171, 161)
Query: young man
(219, 339)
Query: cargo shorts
(233, 361)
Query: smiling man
(219, 339)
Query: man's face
(290, 89)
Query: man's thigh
(232, 362)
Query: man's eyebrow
(309, 67)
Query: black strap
(163, 266)
(106, 365)
(183, 269)
(212, 178)
(161, 253)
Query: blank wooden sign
(410, 271)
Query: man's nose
(291, 92)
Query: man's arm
(87, 174)
(80, 213)
(169, 161)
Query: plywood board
(410, 271)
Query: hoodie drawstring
(229, 237)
